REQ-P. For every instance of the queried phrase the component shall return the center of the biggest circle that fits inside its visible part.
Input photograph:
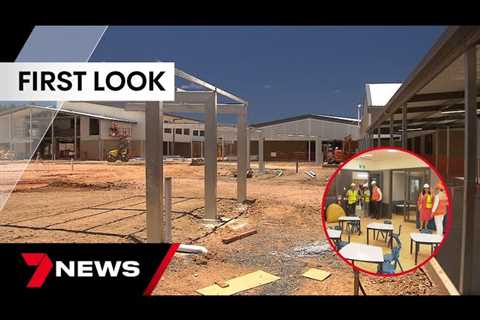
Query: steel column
(242, 157)
(211, 158)
(470, 216)
(391, 131)
(154, 171)
(261, 161)
(318, 151)
(168, 210)
(404, 126)
(75, 137)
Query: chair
(391, 260)
(384, 233)
(339, 244)
(396, 234)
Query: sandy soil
(101, 202)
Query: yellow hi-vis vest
(428, 201)
(351, 196)
(366, 196)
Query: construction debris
(197, 162)
(189, 248)
(316, 274)
(314, 249)
(239, 284)
(310, 174)
(239, 236)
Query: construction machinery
(121, 152)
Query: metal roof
(434, 91)
(378, 94)
(343, 120)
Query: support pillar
(470, 219)
(261, 161)
(75, 137)
(248, 146)
(318, 151)
(242, 158)
(52, 142)
(379, 134)
(168, 210)
(30, 135)
(154, 171)
(404, 126)
(211, 158)
(391, 131)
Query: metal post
(379, 139)
(248, 146)
(30, 134)
(448, 153)
(191, 149)
(437, 143)
(223, 148)
(168, 210)
(10, 129)
(469, 221)
(211, 158)
(391, 130)
(75, 137)
(261, 161)
(404, 126)
(308, 146)
(52, 143)
(318, 151)
(242, 158)
(154, 171)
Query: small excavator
(121, 152)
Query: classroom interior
(401, 177)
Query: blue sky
(281, 71)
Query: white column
(211, 158)
(242, 162)
(154, 171)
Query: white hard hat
(352, 185)
(426, 186)
(366, 185)
(374, 182)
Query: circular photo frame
(386, 211)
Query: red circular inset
(430, 166)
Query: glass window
(94, 128)
(202, 133)
(195, 133)
(178, 131)
(167, 130)
(186, 132)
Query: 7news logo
(77, 268)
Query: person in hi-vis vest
(376, 200)
(440, 204)
(366, 200)
(352, 197)
(425, 204)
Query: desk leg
(368, 240)
(391, 239)
(411, 245)
(417, 247)
(356, 282)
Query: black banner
(87, 269)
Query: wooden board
(239, 284)
(317, 274)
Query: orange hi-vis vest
(442, 208)
(376, 194)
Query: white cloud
(267, 86)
